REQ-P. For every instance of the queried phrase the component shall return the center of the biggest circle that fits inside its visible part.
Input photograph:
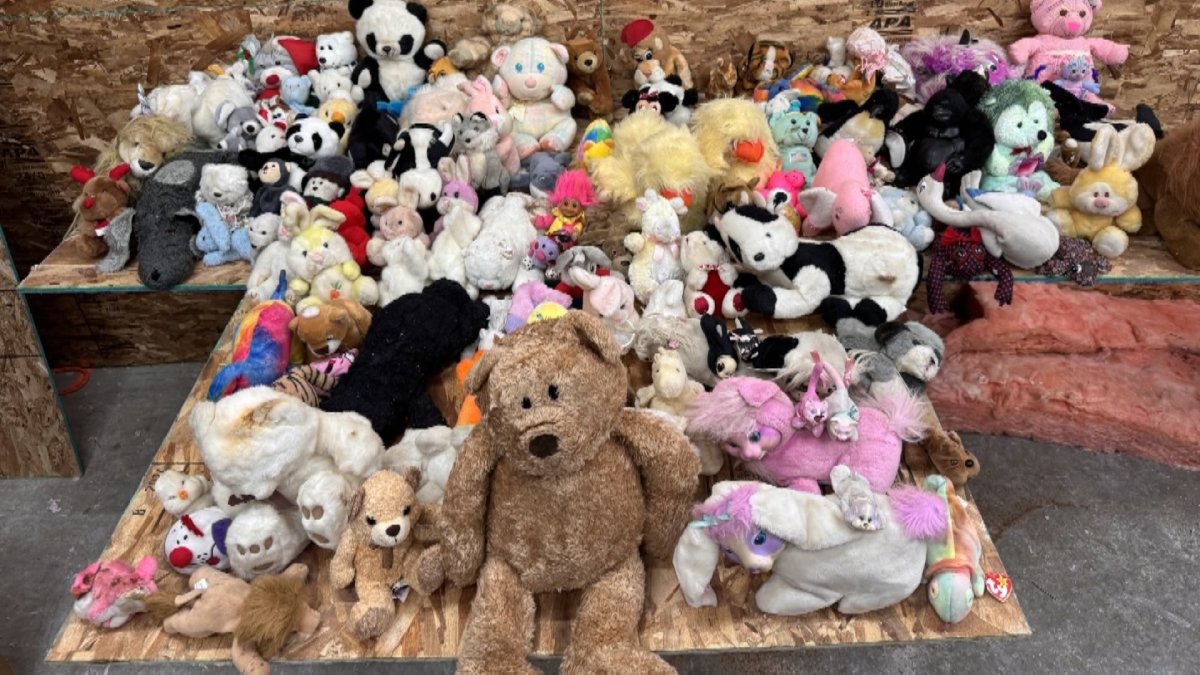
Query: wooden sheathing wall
(69, 70)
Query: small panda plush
(336, 52)
(314, 138)
(666, 96)
(392, 33)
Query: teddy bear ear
(560, 51)
(594, 335)
(356, 503)
(412, 476)
(500, 56)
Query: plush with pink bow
(109, 593)
(531, 79)
(755, 421)
(1061, 25)
(841, 196)
(483, 99)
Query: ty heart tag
(998, 585)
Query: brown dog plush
(587, 73)
(650, 47)
(103, 197)
(377, 550)
(326, 328)
(1170, 194)
(557, 488)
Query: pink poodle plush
(755, 421)
(841, 196)
(1061, 25)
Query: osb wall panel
(122, 329)
(68, 70)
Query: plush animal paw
(370, 622)
(563, 99)
(262, 540)
(759, 299)
(430, 571)
(323, 511)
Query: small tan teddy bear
(377, 551)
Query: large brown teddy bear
(378, 549)
(554, 491)
(1170, 194)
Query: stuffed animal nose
(387, 49)
(321, 60)
(748, 151)
(180, 557)
(393, 530)
(89, 202)
(1041, 134)
(1072, 26)
(758, 257)
(1100, 202)
(543, 446)
(146, 166)
(530, 82)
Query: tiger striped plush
(312, 383)
(766, 62)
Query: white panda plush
(868, 274)
(392, 33)
(666, 96)
(336, 52)
(314, 138)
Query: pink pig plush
(109, 593)
(1061, 25)
(841, 196)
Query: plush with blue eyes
(541, 67)
(519, 68)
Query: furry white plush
(270, 139)
(493, 260)
(259, 441)
(392, 34)
(182, 493)
(336, 53)
(798, 363)
(431, 450)
(656, 331)
(869, 273)
(264, 277)
(264, 231)
(405, 268)
(531, 81)
(314, 138)
(176, 101)
(214, 106)
(460, 227)
(667, 299)
(656, 248)
(263, 541)
(330, 84)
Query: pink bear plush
(1061, 25)
(841, 196)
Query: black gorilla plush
(411, 341)
(950, 131)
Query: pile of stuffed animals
(411, 209)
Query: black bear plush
(950, 131)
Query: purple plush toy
(936, 60)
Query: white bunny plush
(656, 248)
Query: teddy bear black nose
(321, 60)
(1041, 134)
(543, 446)
(758, 257)
(145, 165)
(393, 530)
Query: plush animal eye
(1095, 194)
(1082, 14)
(370, 521)
(553, 392)
(519, 68)
(304, 253)
(760, 538)
(1062, 12)
(754, 437)
(541, 67)
(406, 511)
(526, 403)
(326, 244)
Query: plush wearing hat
(101, 199)
(522, 513)
(651, 49)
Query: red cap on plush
(303, 53)
(81, 174)
(637, 30)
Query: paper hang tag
(998, 584)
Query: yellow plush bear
(1101, 205)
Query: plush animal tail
(922, 514)
(906, 413)
(272, 611)
(161, 605)
(229, 379)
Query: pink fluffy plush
(841, 192)
(1061, 25)
(922, 514)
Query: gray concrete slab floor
(1103, 551)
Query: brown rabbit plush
(555, 490)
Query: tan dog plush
(652, 51)
(556, 490)
(377, 552)
(329, 327)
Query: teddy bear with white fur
(656, 248)
(259, 441)
(531, 81)
(710, 277)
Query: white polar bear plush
(259, 441)
(336, 52)
(330, 84)
(531, 82)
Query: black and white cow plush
(314, 138)
(868, 274)
(392, 33)
(666, 96)
(420, 146)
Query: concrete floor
(1103, 552)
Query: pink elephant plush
(531, 80)
(841, 195)
(755, 421)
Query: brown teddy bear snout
(543, 446)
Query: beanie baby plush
(1061, 25)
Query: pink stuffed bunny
(755, 421)
(1061, 25)
(483, 99)
(841, 196)
(109, 593)
(456, 189)
(609, 298)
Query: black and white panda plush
(313, 138)
(420, 146)
(392, 33)
(667, 96)
(868, 274)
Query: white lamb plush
(460, 227)
(259, 441)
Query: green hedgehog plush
(1022, 116)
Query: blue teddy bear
(795, 132)
(219, 242)
(294, 93)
